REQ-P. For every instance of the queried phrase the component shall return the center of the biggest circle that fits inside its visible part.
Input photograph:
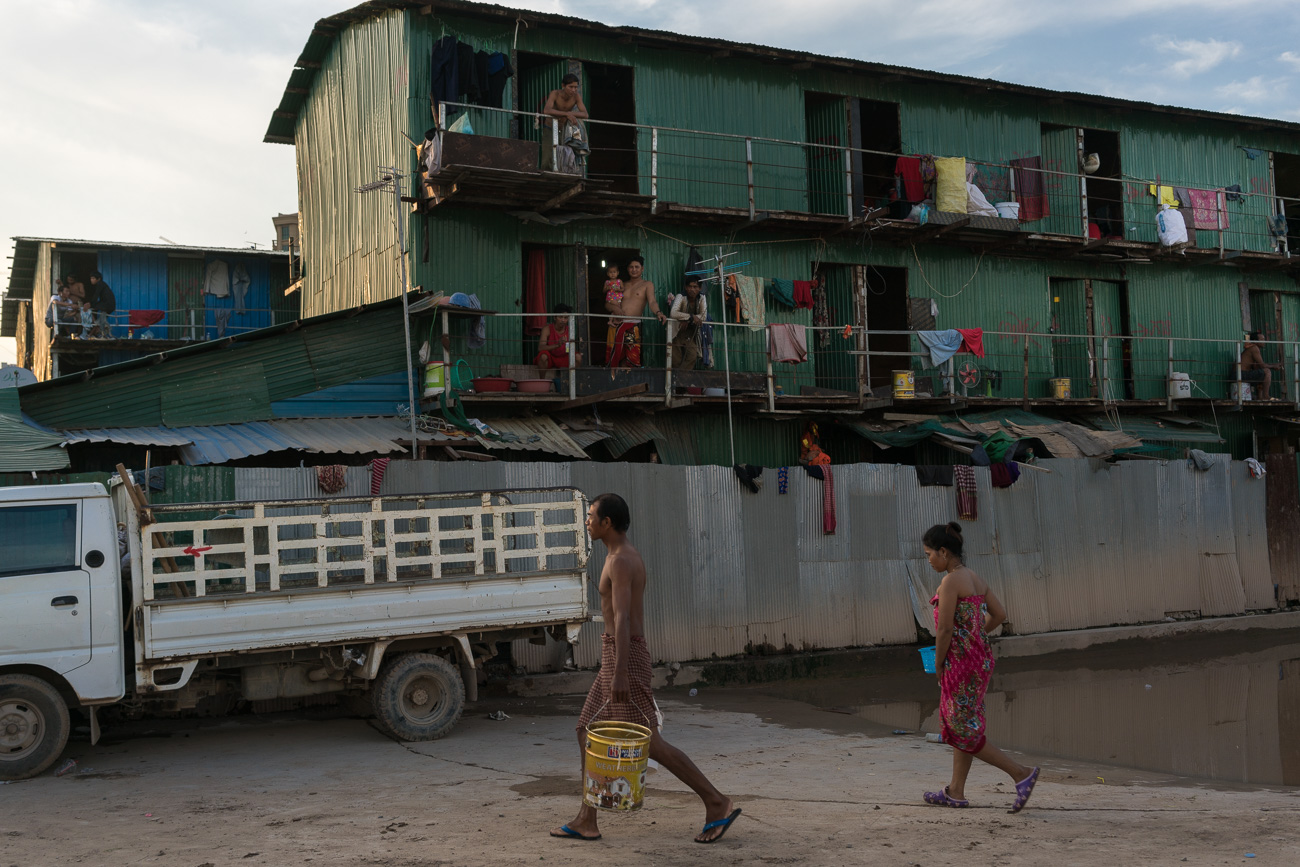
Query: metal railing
(189, 323)
(760, 173)
(856, 363)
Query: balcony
(736, 182)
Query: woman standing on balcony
(963, 665)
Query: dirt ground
(816, 788)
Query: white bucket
(1180, 386)
(1008, 210)
(1243, 386)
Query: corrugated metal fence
(1088, 545)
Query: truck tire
(418, 696)
(33, 726)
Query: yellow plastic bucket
(1061, 388)
(613, 773)
(904, 385)
(435, 379)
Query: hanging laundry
(748, 475)
(444, 70)
(783, 480)
(908, 172)
(465, 66)
(1232, 193)
(821, 313)
(499, 69)
(972, 340)
(535, 293)
(1028, 174)
(706, 344)
(240, 283)
(1165, 196)
(378, 467)
(1004, 475)
(332, 478)
(950, 190)
(216, 279)
(943, 345)
(1184, 197)
(144, 318)
(1257, 470)
(751, 300)
(803, 294)
(1252, 153)
(934, 476)
(828, 501)
(782, 291)
(1206, 213)
(222, 320)
(967, 501)
(787, 343)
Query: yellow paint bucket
(613, 773)
(435, 379)
(904, 385)
(1061, 388)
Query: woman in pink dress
(964, 664)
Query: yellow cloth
(950, 194)
(1167, 196)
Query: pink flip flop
(943, 799)
(1024, 789)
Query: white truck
(400, 599)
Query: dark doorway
(885, 299)
(1266, 318)
(536, 75)
(556, 270)
(879, 132)
(610, 96)
(1104, 187)
(1286, 180)
(598, 261)
(79, 265)
(835, 366)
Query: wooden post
(1025, 398)
(145, 516)
(749, 170)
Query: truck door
(44, 591)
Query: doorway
(1086, 317)
(550, 278)
(1104, 188)
(598, 261)
(826, 121)
(885, 306)
(1266, 317)
(879, 131)
(1286, 186)
(610, 95)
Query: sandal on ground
(943, 799)
(724, 824)
(1024, 789)
(567, 833)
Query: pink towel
(1205, 210)
(828, 501)
(377, 469)
(788, 343)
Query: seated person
(102, 302)
(1254, 369)
(87, 321)
(66, 311)
(553, 348)
(77, 288)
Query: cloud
(1197, 56)
(1291, 58)
(1255, 89)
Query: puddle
(1222, 708)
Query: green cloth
(783, 291)
(997, 446)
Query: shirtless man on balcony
(623, 337)
(1255, 370)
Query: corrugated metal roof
(551, 437)
(23, 447)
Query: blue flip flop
(724, 824)
(570, 834)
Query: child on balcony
(613, 289)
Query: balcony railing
(189, 324)
(855, 365)
(759, 175)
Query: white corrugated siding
(1088, 544)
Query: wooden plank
(932, 231)
(589, 399)
(561, 197)
(145, 516)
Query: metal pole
(771, 387)
(555, 144)
(670, 326)
(406, 307)
(1236, 367)
(1169, 377)
(654, 170)
(726, 359)
(951, 385)
(1295, 373)
(749, 171)
(1025, 396)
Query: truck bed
(238, 577)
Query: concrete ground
(816, 788)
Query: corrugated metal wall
(1087, 545)
(138, 279)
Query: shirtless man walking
(622, 688)
(623, 336)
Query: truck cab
(61, 636)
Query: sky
(135, 120)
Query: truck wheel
(418, 696)
(33, 726)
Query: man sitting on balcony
(690, 310)
(1255, 369)
(623, 337)
(565, 104)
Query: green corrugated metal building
(787, 159)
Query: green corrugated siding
(318, 356)
(196, 485)
(827, 123)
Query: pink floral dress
(966, 674)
